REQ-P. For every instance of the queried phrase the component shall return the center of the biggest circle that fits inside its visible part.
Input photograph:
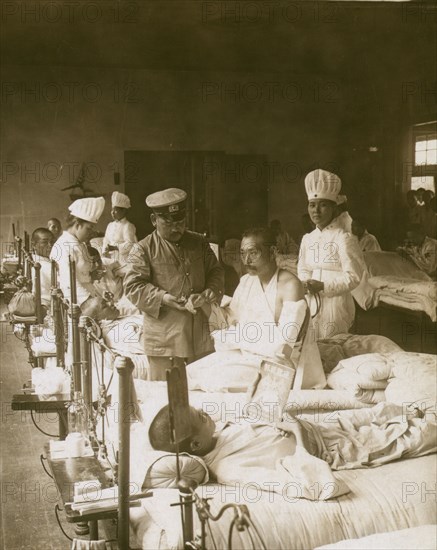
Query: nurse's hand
(314, 286)
(171, 301)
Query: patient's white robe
(253, 335)
(299, 466)
(259, 457)
(334, 257)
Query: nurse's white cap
(321, 184)
(89, 209)
(120, 200)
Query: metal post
(58, 328)
(125, 369)
(19, 252)
(186, 487)
(53, 275)
(85, 359)
(75, 340)
(39, 317)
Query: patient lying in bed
(296, 457)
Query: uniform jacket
(156, 266)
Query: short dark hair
(265, 233)
(70, 220)
(160, 433)
(40, 233)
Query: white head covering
(341, 199)
(320, 184)
(120, 199)
(89, 209)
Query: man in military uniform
(170, 275)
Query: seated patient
(42, 242)
(264, 317)
(367, 241)
(295, 457)
(421, 249)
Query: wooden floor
(28, 494)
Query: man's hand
(194, 301)
(171, 301)
(313, 286)
(209, 296)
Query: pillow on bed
(364, 376)
(414, 381)
(162, 473)
(391, 263)
(359, 344)
(341, 346)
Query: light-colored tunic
(333, 256)
(122, 234)
(68, 246)
(369, 243)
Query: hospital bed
(397, 300)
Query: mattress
(395, 496)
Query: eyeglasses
(251, 254)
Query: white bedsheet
(423, 537)
(406, 293)
(383, 499)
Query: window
(424, 156)
(423, 182)
(425, 150)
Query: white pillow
(369, 371)
(364, 376)
(162, 473)
(414, 381)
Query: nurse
(330, 261)
(120, 234)
(83, 217)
